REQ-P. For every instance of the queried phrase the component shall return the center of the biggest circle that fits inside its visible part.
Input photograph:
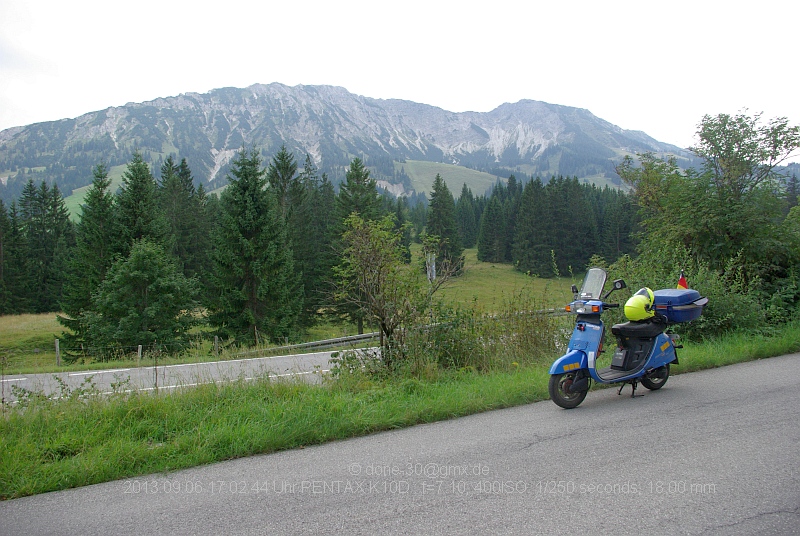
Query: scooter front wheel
(560, 393)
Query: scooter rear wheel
(559, 391)
(657, 379)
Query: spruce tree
(184, 209)
(138, 212)
(467, 220)
(403, 226)
(510, 209)
(311, 222)
(532, 239)
(47, 235)
(144, 300)
(442, 223)
(491, 237)
(357, 195)
(5, 236)
(792, 190)
(203, 221)
(617, 224)
(16, 274)
(257, 295)
(92, 257)
(175, 203)
(282, 178)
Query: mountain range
(332, 126)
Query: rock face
(328, 123)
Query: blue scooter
(644, 351)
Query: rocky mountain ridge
(328, 123)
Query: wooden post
(58, 355)
(216, 345)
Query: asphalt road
(166, 377)
(712, 453)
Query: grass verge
(77, 441)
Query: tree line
(147, 264)
(550, 229)
(259, 258)
(141, 262)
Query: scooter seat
(644, 329)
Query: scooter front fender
(572, 360)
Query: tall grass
(75, 442)
(472, 358)
(47, 445)
(737, 347)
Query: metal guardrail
(316, 345)
(356, 339)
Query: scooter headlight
(582, 308)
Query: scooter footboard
(572, 360)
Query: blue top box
(679, 305)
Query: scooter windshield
(593, 284)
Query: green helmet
(640, 305)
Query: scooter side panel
(572, 360)
(663, 352)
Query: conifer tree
(357, 195)
(203, 221)
(188, 223)
(510, 209)
(5, 236)
(92, 257)
(16, 275)
(403, 226)
(144, 300)
(467, 220)
(312, 219)
(282, 178)
(491, 237)
(138, 212)
(792, 190)
(533, 238)
(617, 224)
(325, 226)
(47, 233)
(257, 295)
(442, 223)
(175, 202)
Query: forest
(155, 261)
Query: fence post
(216, 345)
(58, 355)
(139, 356)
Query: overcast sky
(642, 65)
